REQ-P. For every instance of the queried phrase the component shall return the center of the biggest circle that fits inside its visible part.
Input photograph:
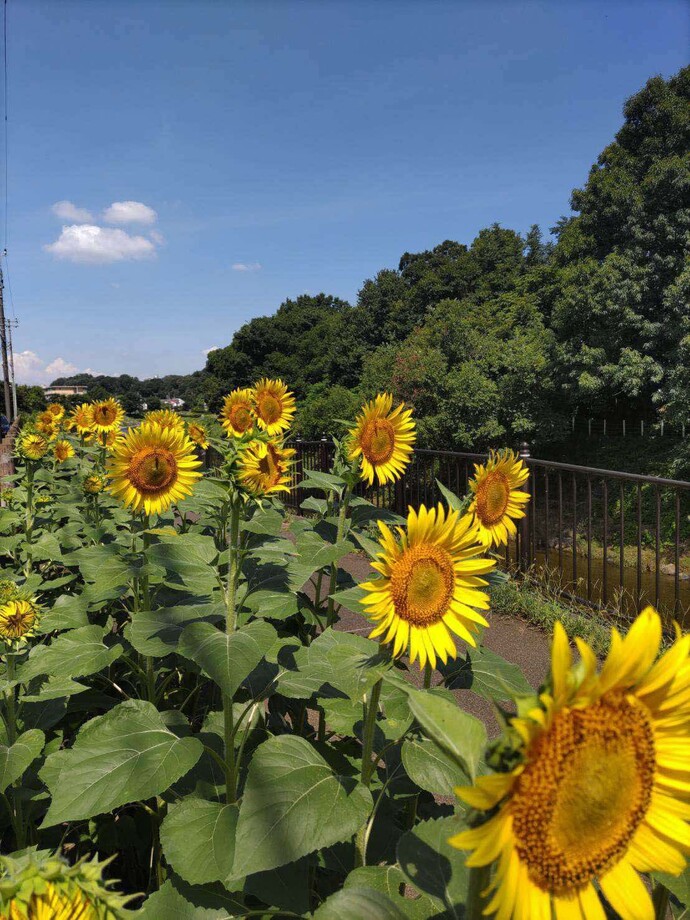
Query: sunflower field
(187, 734)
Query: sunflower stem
(371, 709)
(230, 626)
(660, 900)
(480, 876)
(18, 819)
(427, 675)
(342, 518)
(29, 527)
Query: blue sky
(255, 151)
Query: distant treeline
(511, 336)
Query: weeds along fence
(614, 540)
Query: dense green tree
(324, 409)
(30, 398)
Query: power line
(4, 58)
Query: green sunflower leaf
(294, 804)
(433, 866)
(458, 734)
(356, 903)
(198, 839)
(16, 758)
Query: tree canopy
(508, 336)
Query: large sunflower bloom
(264, 468)
(197, 433)
(274, 405)
(383, 437)
(81, 418)
(166, 418)
(497, 501)
(602, 789)
(237, 415)
(107, 414)
(431, 582)
(62, 450)
(33, 446)
(18, 619)
(152, 467)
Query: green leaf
(124, 756)
(286, 887)
(335, 664)
(14, 760)
(294, 804)
(434, 866)
(312, 503)
(452, 500)
(357, 903)
(77, 653)
(351, 599)
(46, 548)
(485, 673)
(177, 901)
(187, 560)
(227, 658)
(432, 769)
(370, 547)
(157, 632)
(268, 522)
(677, 885)
(68, 612)
(327, 482)
(54, 688)
(313, 554)
(102, 563)
(389, 880)
(363, 512)
(457, 733)
(198, 839)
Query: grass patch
(528, 601)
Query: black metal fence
(614, 540)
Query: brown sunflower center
(104, 415)
(269, 468)
(269, 407)
(152, 470)
(493, 493)
(240, 417)
(586, 788)
(422, 584)
(378, 441)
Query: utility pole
(3, 348)
(12, 324)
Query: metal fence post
(524, 524)
(325, 465)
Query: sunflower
(39, 885)
(264, 467)
(431, 582)
(52, 904)
(17, 619)
(166, 418)
(152, 467)
(46, 423)
(237, 415)
(602, 788)
(33, 445)
(56, 410)
(497, 501)
(107, 415)
(274, 405)
(94, 484)
(81, 418)
(110, 438)
(197, 433)
(383, 437)
(62, 450)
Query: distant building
(174, 402)
(65, 391)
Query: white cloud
(129, 212)
(30, 368)
(66, 210)
(157, 237)
(207, 351)
(246, 266)
(97, 245)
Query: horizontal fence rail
(613, 540)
